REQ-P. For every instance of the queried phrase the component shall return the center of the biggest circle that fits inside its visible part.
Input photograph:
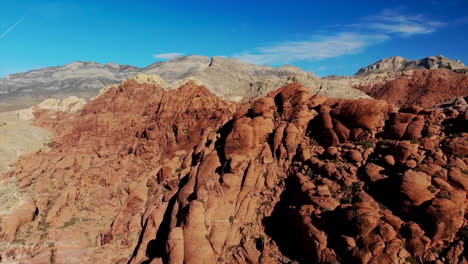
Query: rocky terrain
(426, 82)
(400, 64)
(426, 88)
(146, 174)
(230, 79)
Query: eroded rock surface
(146, 175)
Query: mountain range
(232, 79)
(228, 78)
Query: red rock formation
(144, 175)
(426, 88)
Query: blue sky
(325, 37)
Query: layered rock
(146, 175)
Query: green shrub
(365, 143)
(385, 142)
(446, 196)
(431, 189)
(412, 260)
(347, 200)
(70, 222)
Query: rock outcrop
(147, 175)
(426, 88)
(426, 82)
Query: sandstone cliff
(142, 174)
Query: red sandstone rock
(155, 176)
(424, 87)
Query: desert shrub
(365, 143)
(412, 260)
(431, 188)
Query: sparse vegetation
(385, 142)
(365, 143)
(310, 173)
(459, 155)
(275, 114)
(347, 200)
(231, 219)
(412, 260)
(314, 142)
(353, 187)
(415, 141)
(446, 196)
(178, 170)
(431, 188)
(70, 222)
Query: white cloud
(322, 47)
(4, 34)
(394, 22)
(354, 38)
(167, 56)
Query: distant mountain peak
(397, 63)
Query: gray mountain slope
(229, 78)
(395, 64)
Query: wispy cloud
(392, 21)
(353, 38)
(167, 56)
(322, 47)
(4, 34)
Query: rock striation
(142, 174)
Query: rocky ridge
(427, 82)
(142, 174)
(426, 88)
(400, 64)
(231, 79)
